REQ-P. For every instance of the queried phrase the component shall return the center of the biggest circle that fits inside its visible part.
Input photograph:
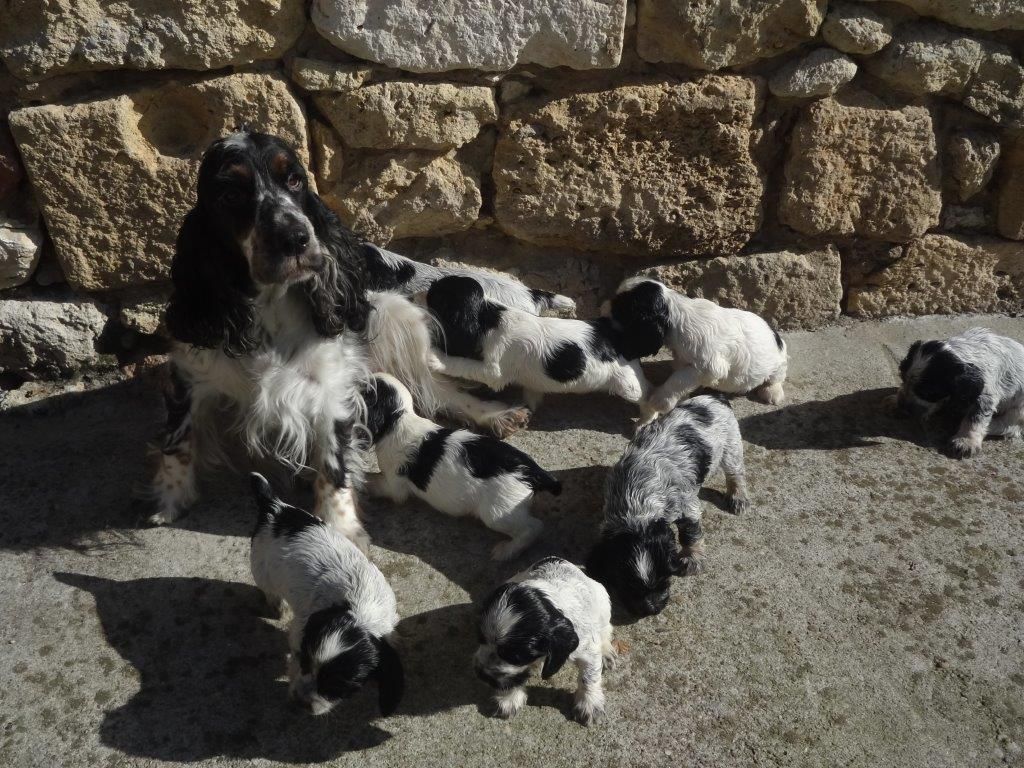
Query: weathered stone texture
(313, 75)
(43, 39)
(788, 289)
(649, 170)
(406, 194)
(819, 73)
(21, 244)
(843, 178)
(943, 274)
(855, 29)
(997, 88)
(972, 160)
(928, 58)
(50, 339)
(475, 34)
(407, 115)
(1010, 210)
(712, 34)
(115, 176)
(972, 14)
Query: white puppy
(388, 271)
(729, 350)
(343, 610)
(455, 471)
(550, 613)
(499, 346)
(975, 379)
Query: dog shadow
(212, 677)
(854, 420)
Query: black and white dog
(268, 316)
(975, 379)
(455, 471)
(492, 344)
(387, 271)
(547, 615)
(726, 349)
(344, 613)
(654, 485)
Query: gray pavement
(866, 612)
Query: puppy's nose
(294, 240)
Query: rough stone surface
(50, 339)
(855, 29)
(972, 160)
(142, 311)
(39, 40)
(11, 172)
(965, 217)
(405, 115)
(313, 75)
(819, 73)
(944, 274)
(480, 34)
(928, 58)
(406, 194)
(1010, 208)
(711, 34)
(115, 176)
(840, 180)
(21, 244)
(871, 577)
(650, 170)
(328, 157)
(972, 14)
(789, 290)
(997, 88)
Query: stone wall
(802, 158)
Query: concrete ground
(866, 612)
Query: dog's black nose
(294, 240)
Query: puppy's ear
(458, 302)
(562, 641)
(336, 294)
(212, 303)
(390, 677)
(909, 359)
(598, 565)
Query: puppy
(387, 271)
(655, 484)
(975, 379)
(729, 350)
(549, 614)
(344, 612)
(455, 471)
(492, 344)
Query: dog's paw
(508, 703)
(964, 447)
(511, 421)
(587, 714)
(435, 364)
(164, 516)
(1012, 433)
(694, 563)
(738, 504)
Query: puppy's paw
(738, 504)
(1012, 433)
(167, 514)
(588, 714)
(694, 562)
(506, 550)
(508, 703)
(770, 394)
(510, 421)
(435, 364)
(614, 655)
(964, 447)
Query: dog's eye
(294, 182)
(231, 197)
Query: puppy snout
(293, 238)
(652, 604)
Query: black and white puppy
(730, 350)
(344, 613)
(455, 471)
(268, 316)
(492, 344)
(975, 379)
(388, 271)
(655, 484)
(547, 615)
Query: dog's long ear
(562, 641)
(390, 677)
(212, 303)
(599, 561)
(459, 305)
(337, 294)
(906, 362)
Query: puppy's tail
(399, 341)
(540, 479)
(546, 300)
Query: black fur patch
(642, 314)
(465, 315)
(566, 362)
(907, 361)
(336, 472)
(700, 412)
(606, 340)
(690, 531)
(382, 275)
(290, 521)
(778, 339)
(540, 631)
(383, 409)
(947, 376)
(421, 468)
(488, 457)
(613, 562)
(542, 299)
(700, 451)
